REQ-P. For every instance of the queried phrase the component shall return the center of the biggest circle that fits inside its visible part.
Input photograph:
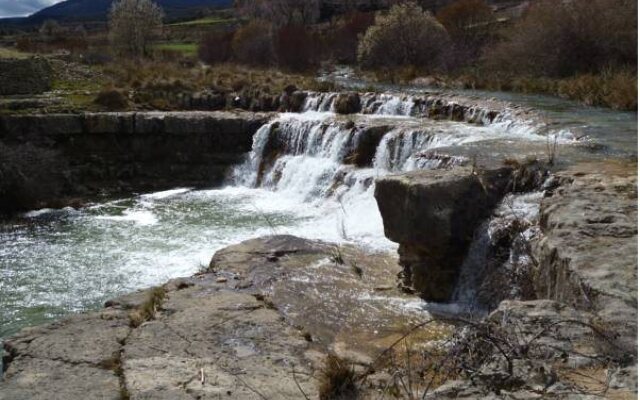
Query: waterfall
(511, 119)
(499, 264)
(331, 162)
(314, 155)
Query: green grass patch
(12, 53)
(79, 85)
(147, 311)
(205, 21)
(188, 49)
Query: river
(56, 262)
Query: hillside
(96, 10)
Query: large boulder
(292, 102)
(25, 76)
(261, 319)
(348, 103)
(432, 215)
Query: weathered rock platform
(256, 325)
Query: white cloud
(19, 8)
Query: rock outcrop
(348, 103)
(433, 215)
(578, 337)
(120, 152)
(588, 251)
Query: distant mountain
(97, 10)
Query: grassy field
(205, 21)
(12, 53)
(188, 49)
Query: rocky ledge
(580, 282)
(433, 215)
(90, 153)
(588, 251)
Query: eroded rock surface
(588, 252)
(269, 309)
(432, 215)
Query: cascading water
(499, 262)
(310, 174)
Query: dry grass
(338, 380)
(615, 89)
(228, 77)
(13, 53)
(147, 311)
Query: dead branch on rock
(486, 352)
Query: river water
(56, 262)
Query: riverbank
(616, 90)
(261, 321)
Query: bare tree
(51, 29)
(133, 24)
(281, 12)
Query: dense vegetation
(579, 49)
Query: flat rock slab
(258, 325)
(44, 379)
(88, 338)
(207, 343)
(343, 298)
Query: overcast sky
(19, 8)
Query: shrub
(29, 175)
(613, 89)
(468, 25)
(215, 48)
(560, 39)
(253, 44)
(407, 35)
(345, 34)
(112, 100)
(296, 48)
